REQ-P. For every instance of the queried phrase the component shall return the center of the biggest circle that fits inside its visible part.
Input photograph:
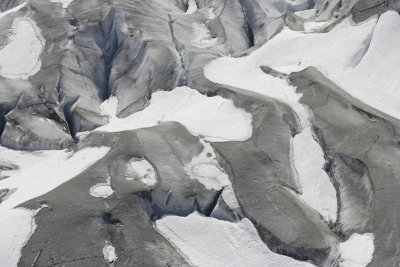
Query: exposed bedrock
(265, 185)
(362, 142)
(74, 234)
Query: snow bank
(141, 169)
(20, 58)
(42, 171)
(210, 242)
(215, 118)
(206, 169)
(357, 251)
(360, 59)
(16, 226)
(318, 190)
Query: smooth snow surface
(318, 190)
(361, 59)
(102, 190)
(12, 10)
(65, 3)
(16, 226)
(357, 251)
(206, 169)
(210, 242)
(42, 171)
(20, 58)
(109, 253)
(215, 118)
(141, 169)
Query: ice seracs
(215, 118)
(20, 58)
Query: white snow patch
(12, 10)
(276, 8)
(357, 251)
(215, 118)
(358, 58)
(210, 242)
(16, 226)
(20, 58)
(206, 169)
(201, 36)
(192, 7)
(141, 169)
(42, 171)
(109, 107)
(65, 3)
(317, 188)
(109, 253)
(102, 190)
(245, 73)
(211, 14)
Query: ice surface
(20, 58)
(357, 251)
(215, 118)
(317, 188)
(210, 242)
